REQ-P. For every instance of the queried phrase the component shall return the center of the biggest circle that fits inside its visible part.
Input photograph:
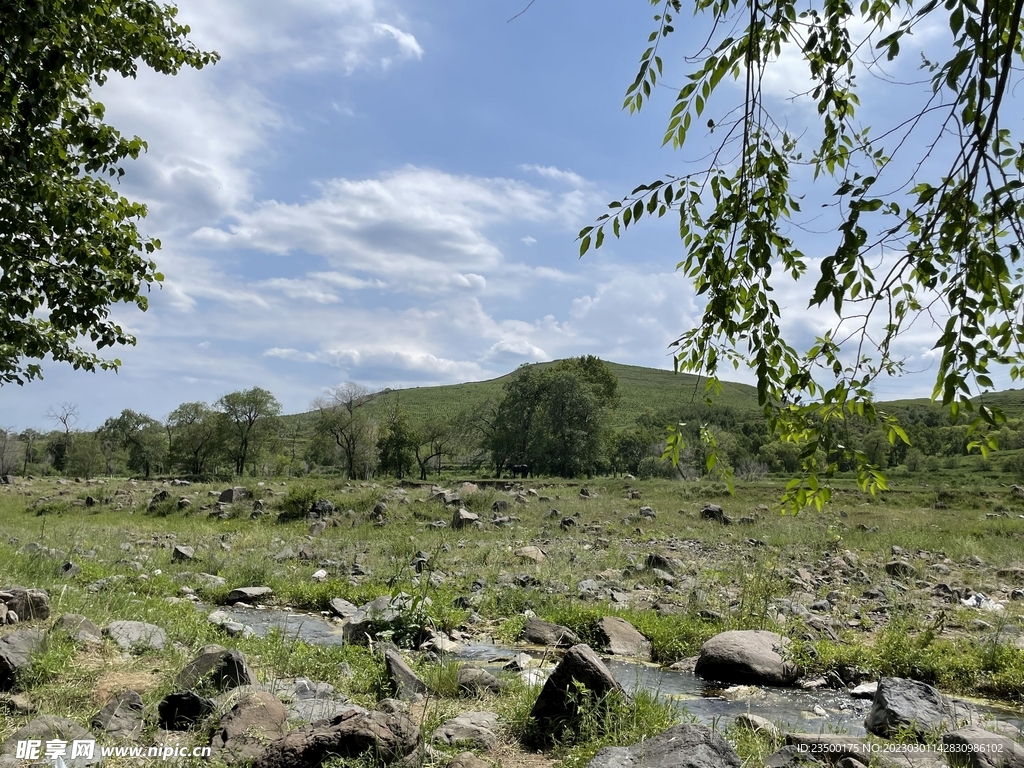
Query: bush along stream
(617, 623)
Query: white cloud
(303, 35)
(557, 174)
(529, 240)
(415, 229)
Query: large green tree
(250, 422)
(195, 433)
(341, 418)
(926, 207)
(70, 248)
(141, 436)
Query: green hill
(640, 389)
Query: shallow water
(815, 711)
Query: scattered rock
(689, 745)
(121, 718)
(354, 732)
(136, 635)
(475, 729)
(622, 638)
(468, 760)
(243, 732)
(746, 657)
(182, 553)
(229, 625)
(758, 724)
(545, 633)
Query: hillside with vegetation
(577, 417)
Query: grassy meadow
(722, 577)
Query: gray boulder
(121, 718)
(221, 668)
(463, 517)
(407, 686)
(556, 705)
(545, 633)
(78, 628)
(747, 657)
(29, 604)
(48, 728)
(473, 680)
(388, 737)
(689, 745)
(182, 553)
(16, 649)
(242, 733)
(974, 747)
(473, 729)
(248, 594)
(909, 705)
(136, 635)
(622, 638)
(231, 495)
(342, 608)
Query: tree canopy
(917, 221)
(70, 248)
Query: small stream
(822, 710)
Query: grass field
(725, 577)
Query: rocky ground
(112, 597)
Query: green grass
(738, 572)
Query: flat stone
(136, 635)
(689, 745)
(342, 608)
(248, 594)
(121, 718)
(49, 728)
(476, 729)
(355, 732)
(974, 747)
(222, 669)
(78, 628)
(545, 633)
(16, 650)
(622, 638)
(243, 732)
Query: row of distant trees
(553, 421)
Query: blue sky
(388, 192)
